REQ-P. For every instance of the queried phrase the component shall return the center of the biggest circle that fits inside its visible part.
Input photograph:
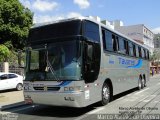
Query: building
(139, 33)
(157, 40)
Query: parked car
(11, 81)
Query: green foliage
(4, 53)
(15, 21)
(156, 55)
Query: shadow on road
(6, 91)
(65, 112)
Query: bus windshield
(57, 61)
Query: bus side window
(109, 43)
(143, 54)
(134, 50)
(104, 39)
(121, 46)
(137, 52)
(140, 53)
(130, 49)
(117, 41)
(148, 54)
(114, 41)
(126, 47)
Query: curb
(10, 106)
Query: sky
(131, 12)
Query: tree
(155, 57)
(4, 53)
(15, 21)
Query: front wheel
(106, 94)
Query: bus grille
(47, 88)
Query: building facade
(157, 40)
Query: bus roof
(89, 19)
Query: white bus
(77, 62)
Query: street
(132, 102)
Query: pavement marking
(89, 113)
(96, 110)
(32, 106)
(141, 91)
(144, 98)
(121, 98)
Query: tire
(143, 83)
(106, 94)
(139, 84)
(19, 86)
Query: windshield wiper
(51, 68)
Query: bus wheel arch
(107, 92)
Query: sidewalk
(155, 76)
(11, 99)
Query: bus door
(91, 67)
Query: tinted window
(137, 51)
(148, 54)
(126, 46)
(121, 45)
(91, 31)
(143, 54)
(56, 30)
(130, 49)
(12, 76)
(109, 43)
(115, 42)
(104, 39)
(134, 50)
(4, 77)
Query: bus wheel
(139, 84)
(105, 94)
(143, 83)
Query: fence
(12, 69)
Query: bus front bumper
(74, 99)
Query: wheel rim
(19, 87)
(140, 84)
(106, 93)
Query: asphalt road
(145, 103)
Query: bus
(77, 62)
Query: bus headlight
(71, 88)
(27, 88)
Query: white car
(11, 81)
